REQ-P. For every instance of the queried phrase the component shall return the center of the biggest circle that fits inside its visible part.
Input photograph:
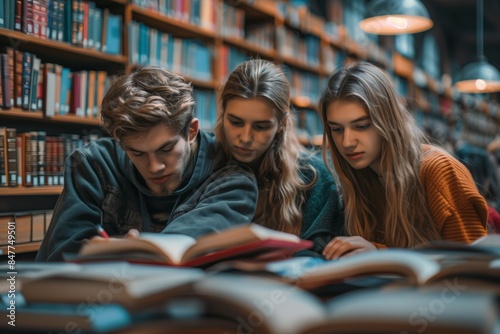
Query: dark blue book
(114, 35)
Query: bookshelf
(202, 40)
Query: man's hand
(347, 246)
(133, 233)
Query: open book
(58, 318)
(250, 240)
(136, 298)
(133, 286)
(414, 267)
(409, 310)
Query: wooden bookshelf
(54, 51)
(162, 22)
(20, 114)
(251, 48)
(22, 248)
(27, 191)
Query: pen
(102, 232)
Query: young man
(158, 173)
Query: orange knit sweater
(456, 206)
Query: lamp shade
(479, 77)
(394, 17)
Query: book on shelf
(29, 226)
(3, 151)
(33, 90)
(28, 59)
(18, 78)
(10, 156)
(6, 86)
(249, 240)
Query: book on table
(133, 286)
(411, 266)
(63, 318)
(138, 298)
(244, 241)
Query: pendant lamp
(480, 76)
(394, 17)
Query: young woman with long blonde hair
(297, 194)
(397, 189)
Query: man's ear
(193, 129)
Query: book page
(405, 263)
(167, 248)
(175, 245)
(131, 285)
(489, 240)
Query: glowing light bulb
(480, 84)
(397, 22)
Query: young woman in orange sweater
(398, 190)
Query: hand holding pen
(102, 232)
(100, 229)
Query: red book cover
(245, 241)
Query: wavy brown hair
(145, 98)
(280, 182)
(394, 210)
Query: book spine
(32, 147)
(44, 18)
(57, 93)
(1, 88)
(25, 162)
(11, 157)
(19, 15)
(49, 157)
(20, 160)
(33, 103)
(63, 19)
(2, 16)
(3, 151)
(28, 16)
(60, 159)
(40, 88)
(78, 8)
(41, 158)
(50, 86)
(18, 78)
(6, 83)
(91, 80)
(27, 68)
(36, 17)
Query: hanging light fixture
(480, 76)
(393, 17)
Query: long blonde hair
(280, 182)
(392, 210)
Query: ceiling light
(393, 17)
(480, 76)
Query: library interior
(58, 60)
